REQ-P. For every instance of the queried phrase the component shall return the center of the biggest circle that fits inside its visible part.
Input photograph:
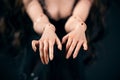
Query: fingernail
(47, 60)
(60, 48)
(35, 49)
(74, 56)
(85, 48)
(51, 58)
(67, 57)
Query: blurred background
(106, 67)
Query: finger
(77, 49)
(34, 45)
(64, 39)
(51, 50)
(47, 57)
(59, 44)
(71, 49)
(41, 51)
(85, 46)
(68, 44)
(45, 51)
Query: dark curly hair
(13, 34)
(14, 25)
(95, 27)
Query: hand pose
(46, 44)
(74, 40)
(75, 37)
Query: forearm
(79, 15)
(35, 12)
(82, 9)
(34, 9)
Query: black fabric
(58, 69)
(26, 65)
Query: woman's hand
(76, 36)
(46, 43)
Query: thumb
(58, 44)
(85, 46)
(35, 43)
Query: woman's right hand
(46, 43)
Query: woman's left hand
(75, 38)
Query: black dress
(58, 69)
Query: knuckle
(51, 43)
(68, 44)
(45, 40)
(45, 49)
(81, 41)
(72, 47)
(69, 36)
(41, 55)
(71, 39)
(41, 48)
(74, 42)
(40, 41)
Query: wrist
(50, 27)
(75, 23)
(39, 28)
(82, 24)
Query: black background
(107, 66)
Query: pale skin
(75, 26)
